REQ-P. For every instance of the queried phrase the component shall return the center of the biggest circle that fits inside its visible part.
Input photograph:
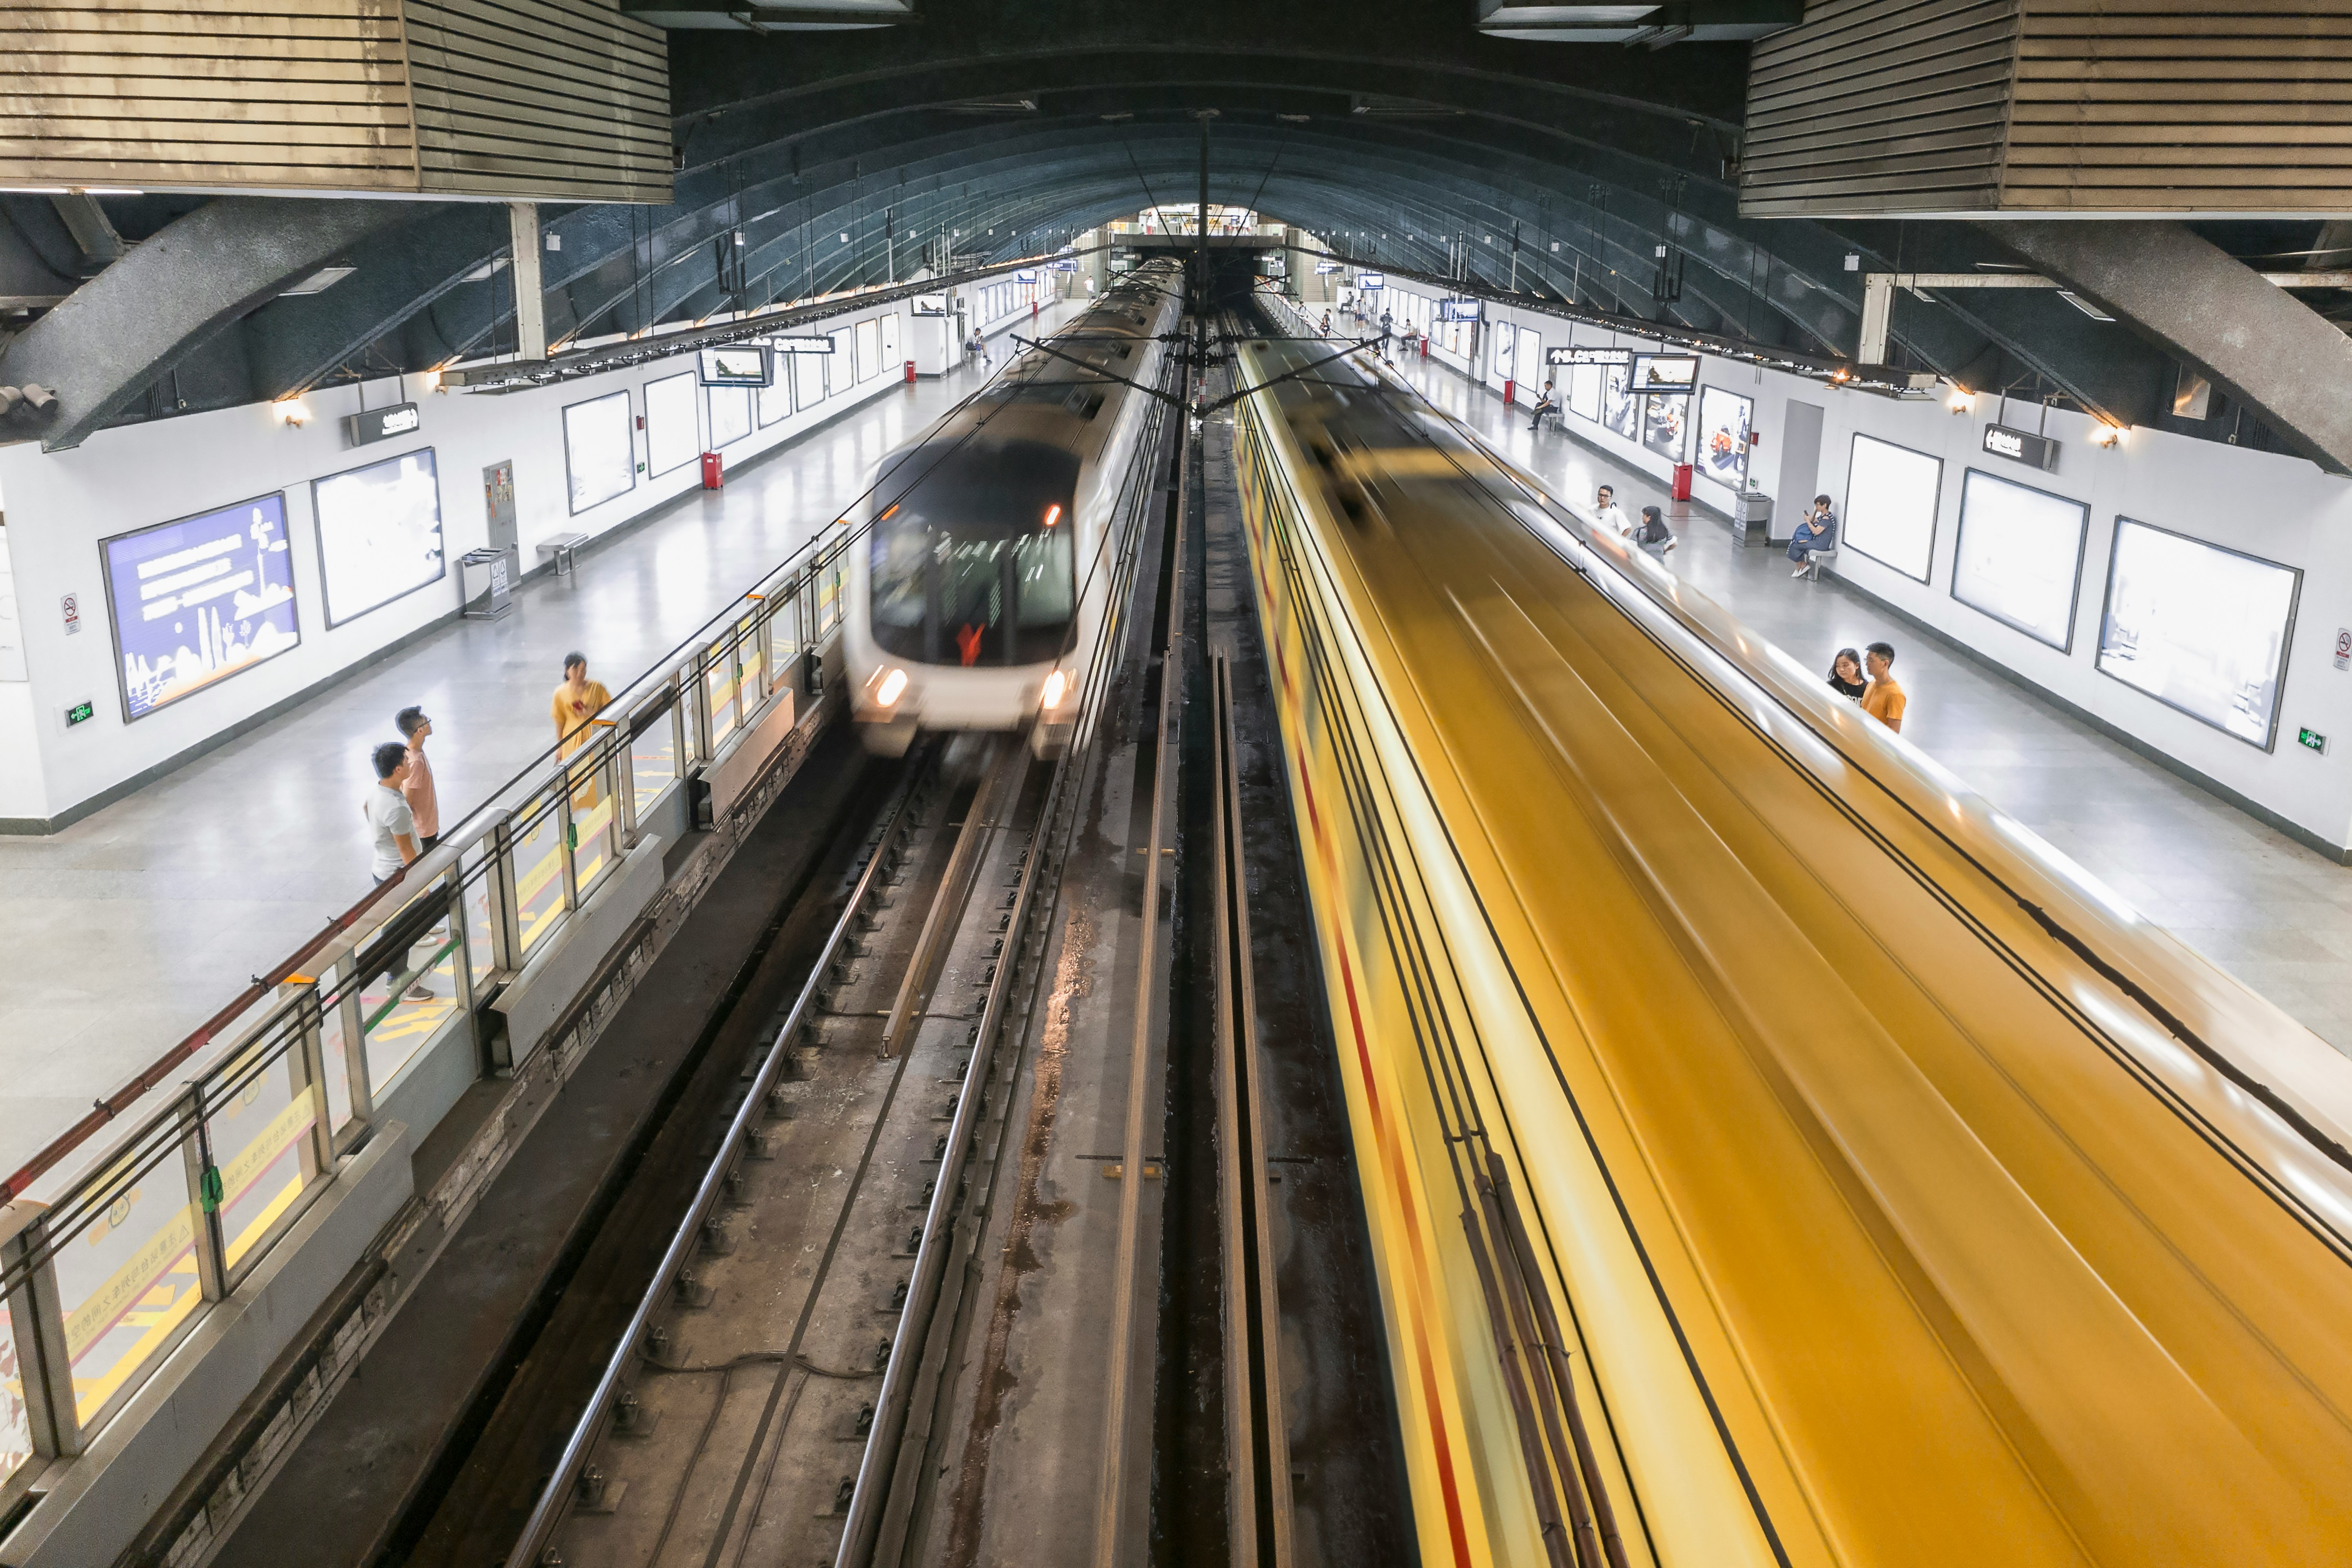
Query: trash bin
(484, 576)
(1510, 391)
(911, 373)
(1682, 481)
(714, 470)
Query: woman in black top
(1845, 675)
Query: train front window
(974, 563)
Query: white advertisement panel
(869, 350)
(2018, 558)
(808, 380)
(891, 360)
(1724, 419)
(775, 401)
(1890, 504)
(731, 414)
(1584, 391)
(2198, 627)
(841, 364)
(379, 533)
(1506, 339)
(600, 453)
(672, 435)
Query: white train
(973, 600)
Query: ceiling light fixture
(319, 282)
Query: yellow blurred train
(1773, 1154)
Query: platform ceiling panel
(557, 99)
(2104, 108)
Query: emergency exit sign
(2313, 739)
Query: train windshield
(976, 564)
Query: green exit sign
(2313, 739)
(80, 712)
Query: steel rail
(549, 1510)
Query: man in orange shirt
(1883, 700)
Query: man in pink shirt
(422, 803)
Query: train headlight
(893, 687)
(1056, 684)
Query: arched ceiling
(1393, 128)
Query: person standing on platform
(1606, 513)
(392, 830)
(577, 700)
(424, 800)
(1845, 675)
(1884, 700)
(1652, 534)
(1817, 530)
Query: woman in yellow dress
(576, 702)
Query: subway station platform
(2272, 911)
(126, 929)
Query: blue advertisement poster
(199, 600)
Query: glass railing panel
(595, 827)
(15, 1421)
(127, 1282)
(413, 993)
(259, 1115)
(653, 759)
(334, 1048)
(751, 683)
(539, 870)
(478, 898)
(718, 681)
(828, 597)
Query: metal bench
(562, 547)
(1815, 560)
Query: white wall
(2278, 508)
(59, 505)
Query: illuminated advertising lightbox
(1890, 504)
(1665, 375)
(2199, 628)
(1458, 310)
(1724, 419)
(1584, 391)
(736, 364)
(1665, 426)
(600, 453)
(2019, 555)
(731, 414)
(1620, 409)
(673, 434)
(196, 601)
(379, 533)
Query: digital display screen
(931, 305)
(1665, 426)
(600, 453)
(1620, 409)
(1459, 311)
(199, 600)
(1890, 504)
(2019, 555)
(379, 533)
(672, 434)
(1665, 374)
(1724, 419)
(737, 364)
(1370, 280)
(1591, 356)
(2199, 629)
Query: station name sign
(381, 424)
(800, 345)
(1589, 356)
(2021, 446)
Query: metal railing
(104, 1271)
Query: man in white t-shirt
(394, 828)
(1607, 514)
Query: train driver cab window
(975, 564)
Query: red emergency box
(1682, 481)
(714, 470)
(911, 373)
(1510, 389)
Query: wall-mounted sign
(802, 345)
(1370, 280)
(2313, 740)
(2021, 446)
(1589, 356)
(1323, 267)
(83, 713)
(2343, 648)
(71, 603)
(381, 424)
